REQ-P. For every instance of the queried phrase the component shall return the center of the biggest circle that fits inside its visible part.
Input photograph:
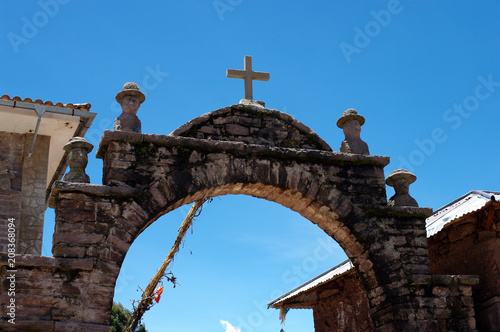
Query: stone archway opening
(280, 160)
(271, 249)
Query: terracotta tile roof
(82, 107)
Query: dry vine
(148, 295)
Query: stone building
(463, 239)
(336, 299)
(32, 136)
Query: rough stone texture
(11, 154)
(146, 176)
(29, 239)
(343, 306)
(466, 248)
(253, 125)
(442, 303)
(52, 290)
(24, 199)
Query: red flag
(158, 294)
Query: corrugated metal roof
(471, 202)
(335, 271)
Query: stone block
(69, 227)
(118, 243)
(237, 130)
(484, 235)
(441, 291)
(63, 250)
(461, 231)
(78, 238)
(96, 227)
(109, 268)
(488, 319)
(71, 215)
(102, 279)
(468, 301)
(69, 326)
(29, 325)
(428, 325)
(75, 263)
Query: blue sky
(425, 75)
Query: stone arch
(146, 176)
(253, 124)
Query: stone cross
(248, 75)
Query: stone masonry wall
(11, 157)
(343, 306)
(29, 240)
(22, 192)
(447, 299)
(253, 125)
(49, 293)
(391, 244)
(466, 248)
(443, 303)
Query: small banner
(283, 312)
(157, 293)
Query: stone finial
(401, 179)
(78, 149)
(130, 98)
(351, 123)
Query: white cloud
(229, 327)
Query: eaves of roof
(469, 203)
(321, 279)
(60, 121)
(19, 101)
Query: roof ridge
(487, 193)
(451, 203)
